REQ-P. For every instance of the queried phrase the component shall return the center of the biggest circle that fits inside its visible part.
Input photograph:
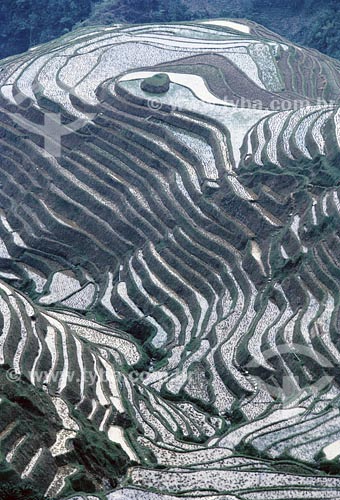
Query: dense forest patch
(25, 23)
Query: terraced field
(169, 265)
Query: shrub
(157, 84)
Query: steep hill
(169, 266)
(25, 23)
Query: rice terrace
(170, 266)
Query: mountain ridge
(169, 265)
(23, 24)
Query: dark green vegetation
(98, 458)
(157, 84)
(25, 411)
(25, 23)
(13, 488)
(226, 284)
(138, 11)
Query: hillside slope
(169, 265)
(25, 23)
